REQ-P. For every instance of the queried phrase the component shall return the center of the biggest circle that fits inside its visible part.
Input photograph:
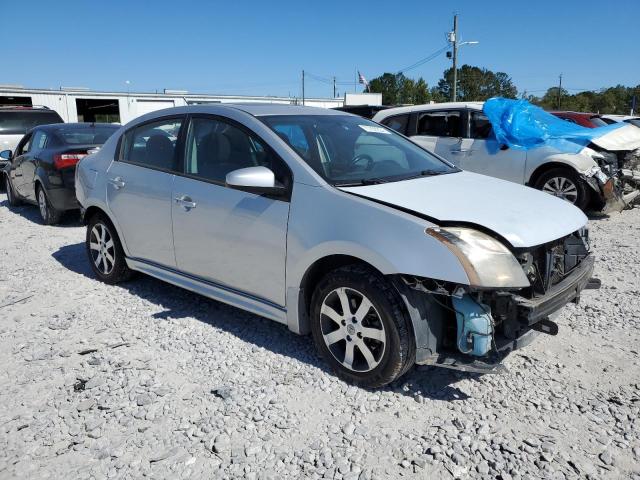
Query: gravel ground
(148, 380)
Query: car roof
(262, 109)
(429, 106)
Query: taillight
(63, 160)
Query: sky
(261, 47)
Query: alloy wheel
(102, 248)
(42, 203)
(352, 329)
(561, 187)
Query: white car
(334, 225)
(461, 133)
(623, 118)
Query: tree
(614, 100)
(398, 89)
(477, 84)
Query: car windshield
(17, 123)
(86, 136)
(349, 150)
(634, 121)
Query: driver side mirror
(6, 154)
(258, 180)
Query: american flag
(362, 80)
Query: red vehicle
(588, 120)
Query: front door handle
(460, 151)
(185, 202)
(117, 182)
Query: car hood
(623, 138)
(523, 216)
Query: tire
(11, 194)
(384, 328)
(566, 184)
(49, 215)
(105, 252)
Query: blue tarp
(520, 125)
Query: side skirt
(212, 290)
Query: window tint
(480, 126)
(440, 124)
(153, 144)
(39, 140)
(215, 148)
(17, 123)
(90, 135)
(398, 123)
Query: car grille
(548, 264)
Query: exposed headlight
(487, 262)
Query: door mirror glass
(5, 154)
(254, 180)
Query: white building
(83, 105)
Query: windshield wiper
(430, 173)
(362, 181)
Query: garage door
(146, 106)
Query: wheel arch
(92, 210)
(545, 167)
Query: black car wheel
(360, 326)
(11, 196)
(105, 251)
(50, 216)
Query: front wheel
(11, 195)
(105, 251)
(564, 183)
(360, 327)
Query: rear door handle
(460, 151)
(117, 182)
(185, 202)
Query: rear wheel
(360, 327)
(50, 216)
(11, 196)
(566, 184)
(105, 251)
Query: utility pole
(334, 87)
(302, 87)
(454, 93)
(560, 92)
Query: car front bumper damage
(516, 319)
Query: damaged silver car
(600, 174)
(336, 226)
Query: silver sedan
(336, 226)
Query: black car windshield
(17, 123)
(349, 150)
(86, 135)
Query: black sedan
(42, 169)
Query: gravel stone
(146, 380)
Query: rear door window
(398, 123)
(153, 144)
(440, 123)
(39, 140)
